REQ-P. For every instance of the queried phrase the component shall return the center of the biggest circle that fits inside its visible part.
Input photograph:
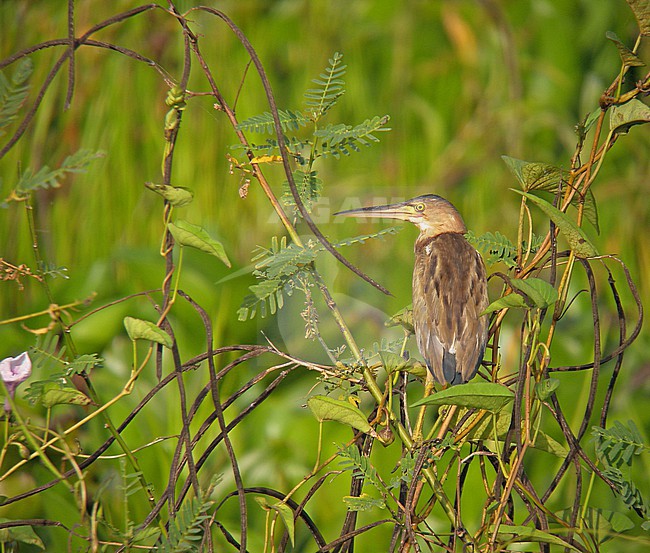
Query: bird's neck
(447, 221)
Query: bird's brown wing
(449, 294)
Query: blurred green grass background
(464, 83)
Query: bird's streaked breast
(449, 294)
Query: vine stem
(126, 390)
(133, 462)
(378, 396)
(39, 451)
(230, 114)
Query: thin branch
(283, 149)
(214, 388)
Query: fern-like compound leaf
(343, 139)
(186, 530)
(309, 187)
(331, 87)
(50, 178)
(263, 123)
(14, 92)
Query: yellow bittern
(449, 287)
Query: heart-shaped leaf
(631, 113)
(187, 234)
(53, 394)
(23, 534)
(628, 57)
(536, 293)
(137, 329)
(542, 176)
(576, 237)
(178, 196)
(329, 409)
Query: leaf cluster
(279, 269)
(350, 459)
(616, 448)
(50, 357)
(496, 247)
(44, 178)
(548, 178)
(186, 529)
(333, 139)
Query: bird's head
(432, 214)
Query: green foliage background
(464, 82)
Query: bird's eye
(419, 207)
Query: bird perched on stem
(449, 287)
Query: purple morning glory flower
(13, 371)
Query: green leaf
(483, 429)
(544, 442)
(538, 293)
(267, 291)
(54, 394)
(45, 178)
(186, 529)
(178, 196)
(535, 176)
(344, 139)
(546, 387)
(541, 176)
(631, 113)
(628, 57)
(525, 534)
(591, 119)
(137, 329)
(329, 409)
(363, 502)
(331, 87)
(495, 246)
(287, 261)
(14, 93)
(590, 210)
(285, 512)
(187, 234)
(506, 302)
(360, 465)
(24, 534)
(263, 123)
(477, 395)
(628, 490)
(641, 9)
(403, 318)
(146, 533)
(309, 187)
(361, 239)
(83, 364)
(617, 445)
(601, 522)
(576, 237)
(393, 363)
